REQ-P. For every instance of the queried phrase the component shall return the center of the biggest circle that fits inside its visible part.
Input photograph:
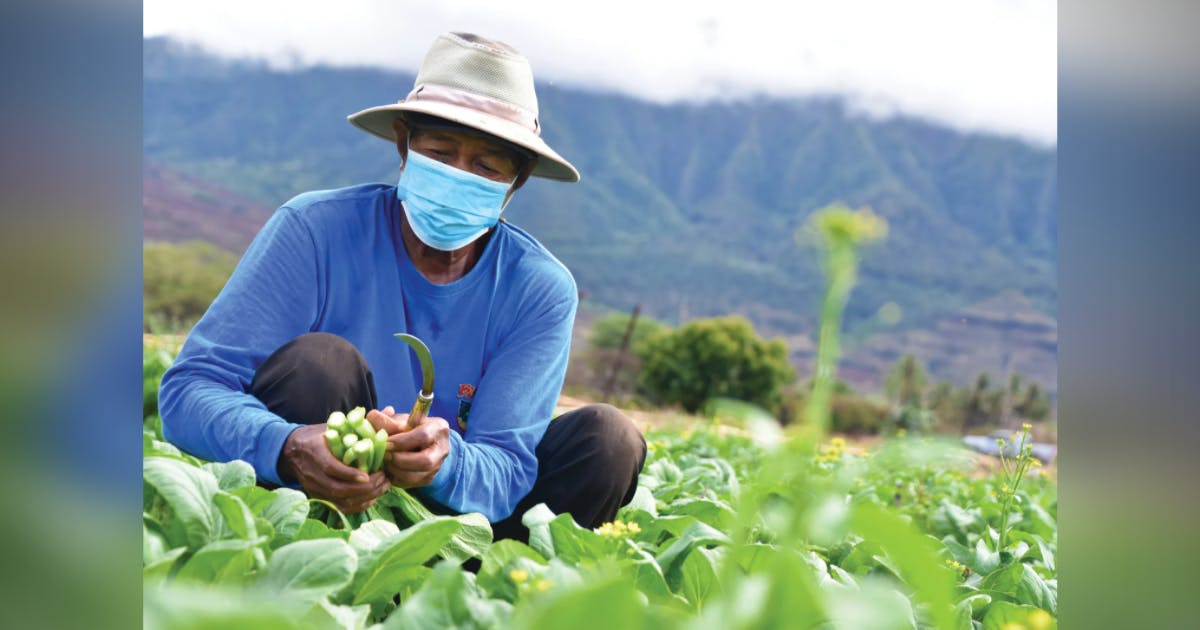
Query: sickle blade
(424, 357)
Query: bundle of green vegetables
(352, 439)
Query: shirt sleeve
(492, 467)
(273, 296)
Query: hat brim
(550, 165)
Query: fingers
(352, 498)
(421, 461)
(421, 437)
(413, 479)
(334, 469)
(384, 420)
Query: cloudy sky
(987, 65)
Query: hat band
(478, 102)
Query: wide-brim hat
(480, 83)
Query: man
(305, 325)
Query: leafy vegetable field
(735, 525)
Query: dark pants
(588, 461)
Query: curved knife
(425, 396)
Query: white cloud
(987, 65)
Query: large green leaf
(697, 534)
(327, 615)
(313, 529)
(537, 520)
(310, 569)
(473, 538)
(448, 600)
(1039, 548)
(651, 581)
(474, 534)
(497, 562)
(368, 535)
(188, 491)
(642, 501)
(1005, 615)
(160, 568)
(610, 602)
(178, 607)
(286, 511)
(874, 604)
(667, 526)
(236, 516)
(982, 559)
(915, 558)
(392, 563)
(231, 475)
(949, 518)
(573, 543)
(697, 576)
(784, 595)
(153, 544)
(226, 562)
(712, 512)
(1023, 584)
(750, 557)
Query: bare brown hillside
(177, 207)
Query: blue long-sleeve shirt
(334, 261)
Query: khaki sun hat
(483, 84)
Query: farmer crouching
(305, 325)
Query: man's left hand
(415, 456)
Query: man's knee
(312, 375)
(322, 354)
(615, 438)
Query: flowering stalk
(841, 232)
(1013, 471)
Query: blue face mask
(448, 208)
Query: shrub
(714, 357)
(180, 280)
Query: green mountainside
(689, 209)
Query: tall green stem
(842, 271)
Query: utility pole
(616, 366)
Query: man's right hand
(307, 460)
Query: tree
(603, 352)
(980, 403)
(715, 357)
(906, 381)
(1034, 406)
(608, 331)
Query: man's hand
(415, 455)
(306, 459)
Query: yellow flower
(543, 585)
(617, 529)
(838, 442)
(518, 575)
(1026, 427)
